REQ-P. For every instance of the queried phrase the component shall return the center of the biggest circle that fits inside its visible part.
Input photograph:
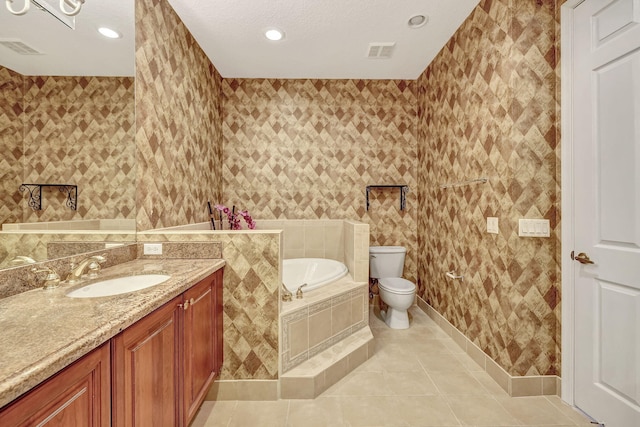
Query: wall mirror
(67, 130)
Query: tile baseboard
(538, 385)
(243, 390)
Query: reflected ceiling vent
(380, 50)
(19, 47)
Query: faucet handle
(94, 269)
(51, 280)
(100, 259)
(299, 291)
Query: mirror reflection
(67, 118)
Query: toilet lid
(397, 285)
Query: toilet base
(396, 319)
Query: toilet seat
(397, 285)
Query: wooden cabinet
(77, 396)
(145, 370)
(164, 364)
(155, 373)
(202, 316)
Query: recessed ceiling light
(417, 21)
(274, 34)
(109, 33)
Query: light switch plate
(534, 228)
(492, 225)
(153, 248)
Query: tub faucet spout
(286, 294)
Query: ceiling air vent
(19, 47)
(380, 50)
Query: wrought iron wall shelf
(35, 194)
(404, 189)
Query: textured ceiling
(324, 38)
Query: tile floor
(417, 377)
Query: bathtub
(315, 272)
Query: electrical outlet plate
(492, 225)
(153, 248)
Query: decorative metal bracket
(404, 189)
(35, 194)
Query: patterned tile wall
(11, 88)
(306, 149)
(88, 126)
(487, 108)
(178, 121)
(251, 292)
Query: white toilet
(386, 264)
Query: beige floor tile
(438, 362)
(263, 414)
(453, 347)
(533, 410)
(214, 414)
(573, 414)
(415, 378)
(426, 411)
(410, 384)
(320, 412)
(481, 411)
(457, 383)
(374, 411)
(360, 384)
(492, 387)
(395, 358)
(468, 362)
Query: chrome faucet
(91, 263)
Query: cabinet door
(145, 368)
(219, 315)
(78, 396)
(199, 344)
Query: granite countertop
(43, 331)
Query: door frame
(567, 201)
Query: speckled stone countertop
(41, 332)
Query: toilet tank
(386, 261)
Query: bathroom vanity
(147, 357)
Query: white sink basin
(119, 285)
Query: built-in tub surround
(307, 274)
(346, 241)
(252, 301)
(322, 318)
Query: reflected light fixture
(67, 7)
(109, 33)
(274, 34)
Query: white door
(606, 164)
